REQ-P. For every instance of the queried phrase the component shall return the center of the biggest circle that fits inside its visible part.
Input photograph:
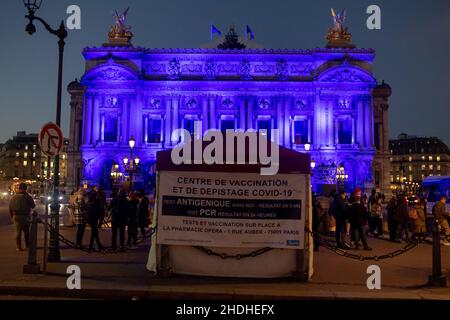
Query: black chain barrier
(73, 245)
(224, 256)
(330, 245)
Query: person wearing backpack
(20, 207)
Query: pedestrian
(119, 214)
(340, 214)
(103, 205)
(94, 213)
(316, 221)
(420, 222)
(441, 215)
(80, 216)
(402, 219)
(376, 216)
(392, 223)
(143, 212)
(358, 219)
(20, 207)
(370, 201)
(133, 220)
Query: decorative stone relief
(191, 103)
(300, 104)
(264, 104)
(282, 71)
(210, 69)
(346, 75)
(227, 103)
(191, 68)
(154, 103)
(174, 69)
(245, 70)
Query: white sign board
(231, 209)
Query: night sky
(413, 49)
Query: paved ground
(123, 275)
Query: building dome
(75, 86)
(382, 90)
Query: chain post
(32, 267)
(436, 279)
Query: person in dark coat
(392, 224)
(316, 220)
(402, 219)
(102, 199)
(339, 212)
(80, 216)
(119, 208)
(143, 212)
(20, 207)
(94, 212)
(133, 220)
(358, 219)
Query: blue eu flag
(249, 31)
(214, 30)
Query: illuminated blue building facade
(325, 97)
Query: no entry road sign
(51, 139)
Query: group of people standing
(358, 216)
(126, 210)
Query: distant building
(21, 160)
(414, 158)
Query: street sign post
(51, 139)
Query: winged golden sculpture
(120, 33)
(338, 35)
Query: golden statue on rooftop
(120, 34)
(338, 35)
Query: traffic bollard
(32, 267)
(436, 279)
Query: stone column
(175, 105)
(73, 108)
(250, 105)
(336, 130)
(287, 121)
(205, 113)
(125, 120)
(146, 128)
(168, 122)
(330, 123)
(241, 113)
(76, 136)
(212, 114)
(88, 120)
(360, 122)
(102, 127)
(368, 135)
(96, 121)
(119, 129)
(280, 118)
(385, 131)
(138, 119)
(309, 130)
(353, 130)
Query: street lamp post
(133, 162)
(61, 33)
